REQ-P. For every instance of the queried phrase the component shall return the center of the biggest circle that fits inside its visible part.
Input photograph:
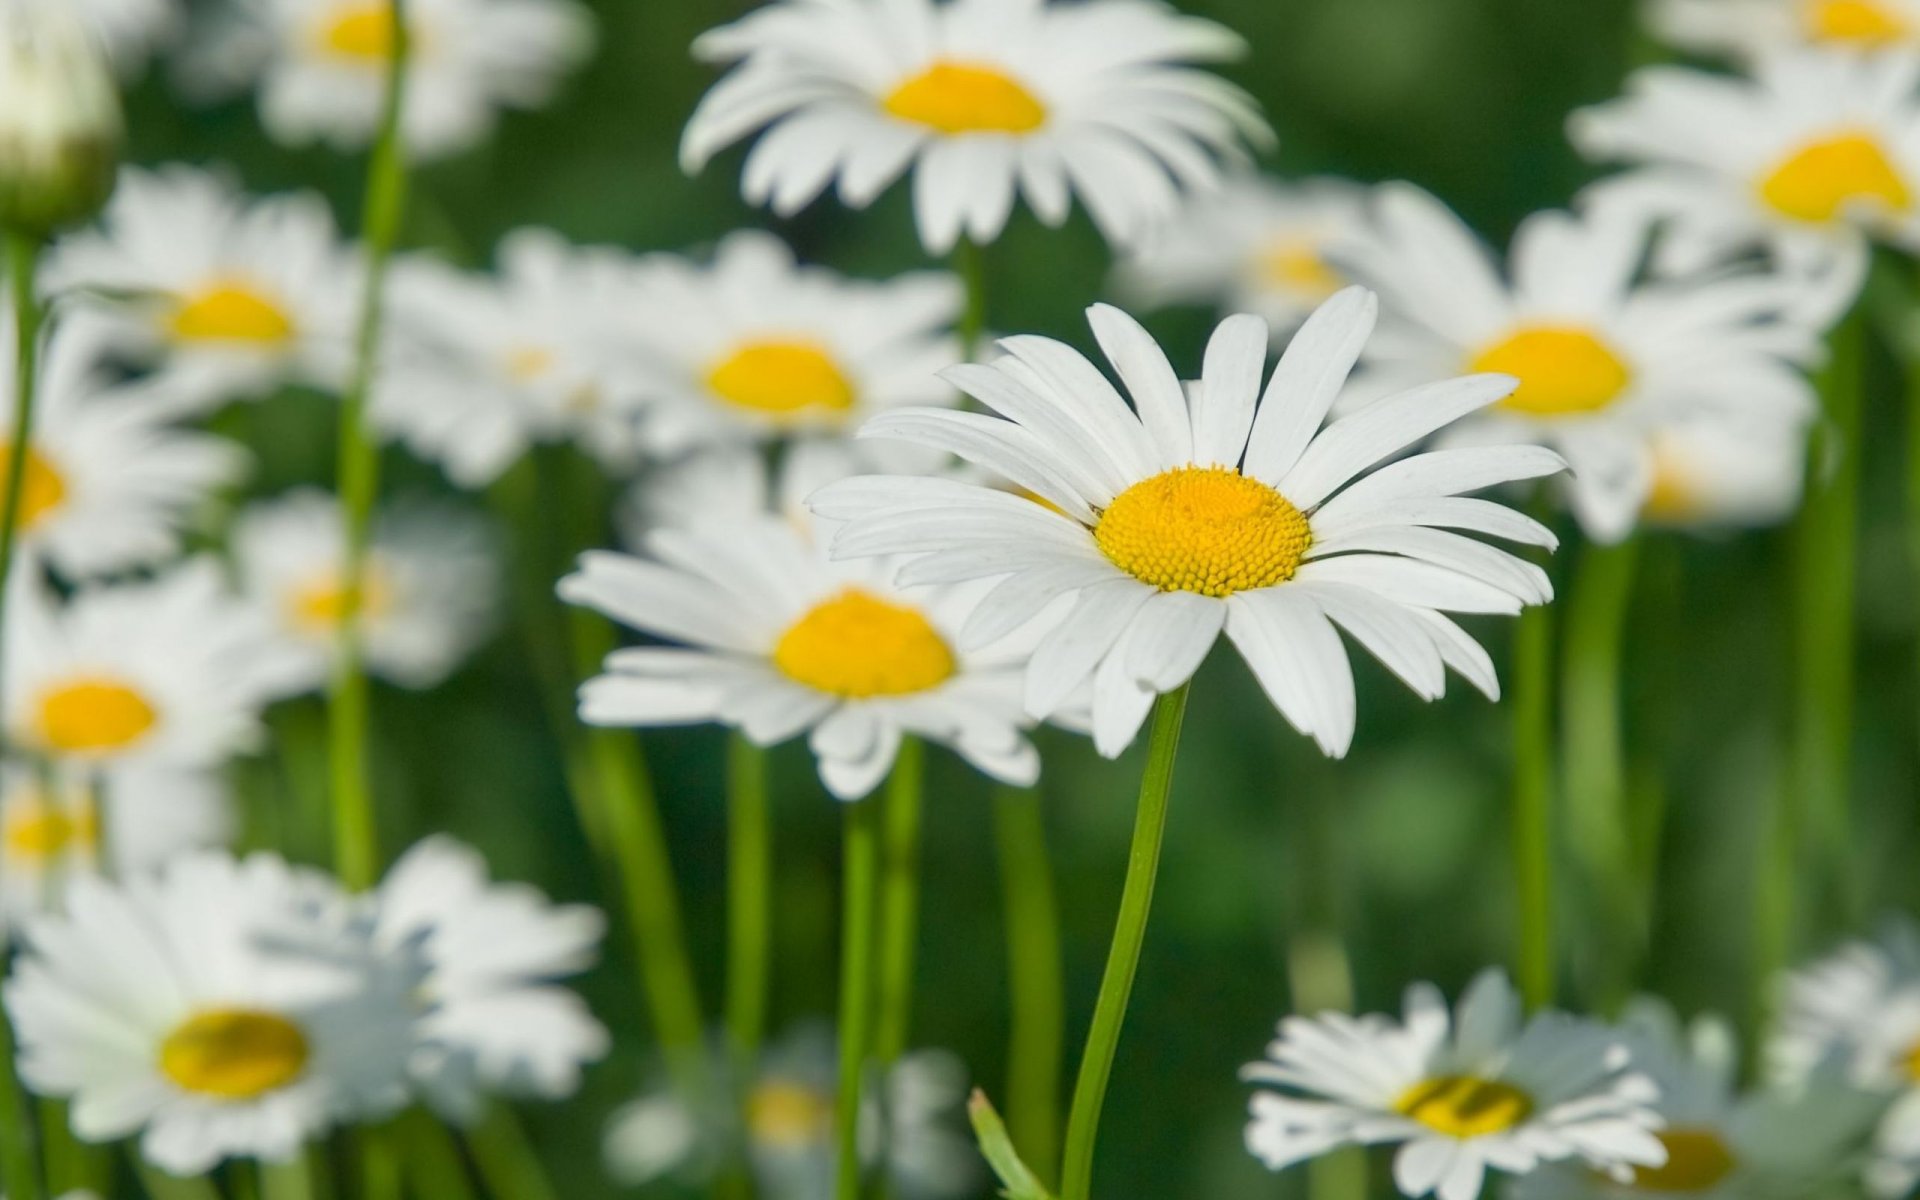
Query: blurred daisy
(754, 346)
(1712, 474)
(1480, 1089)
(984, 100)
(1602, 357)
(160, 1008)
(320, 65)
(225, 297)
(1810, 157)
(1753, 29)
(1219, 510)
(489, 365)
(169, 672)
(497, 1021)
(427, 596)
(128, 29)
(1257, 246)
(109, 484)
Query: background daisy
(1753, 29)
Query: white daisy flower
(1259, 245)
(1219, 510)
(1712, 474)
(163, 1007)
(129, 30)
(497, 1020)
(1751, 30)
(1483, 1088)
(110, 484)
(486, 366)
(1721, 1144)
(1814, 154)
(984, 100)
(776, 640)
(170, 672)
(427, 595)
(320, 65)
(224, 297)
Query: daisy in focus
(224, 297)
(1225, 509)
(1811, 158)
(1481, 1089)
(984, 101)
(1603, 358)
(497, 1020)
(1710, 474)
(162, 1008)
(427, 598)
(320, 65)
(1751, 30)
(1258, 245)
(109, 484)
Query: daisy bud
(60, 120)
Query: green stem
(434, 1168)
(161, 1186)
(1037, 1041)
(1123, 959)
(1532, 831)
(18, 1157)
(859, 886)
(970, 265)
(509, 1165)
(749, 901)
(899, 901)
(292, 1180)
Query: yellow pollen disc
(1910, 1063)
(42, 489)
(857, 645)
(92, 716)
(234, 1053)
(955, 97)
(1209, 530)
(782, 378)
(1298, 267)
(39, 831)
(1697, 1160)
(529, 363)
(320, 606)
(1563, 372)
(788, 1116)
(1855, 21)
(365, 32)
(1673, 498)
(230, 312)
(1463, 1107)
(1824, 181)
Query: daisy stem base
(505, 1155)
(749, 901)
(899, 901)
(860, 888)
(1037, 1040)
(161, 1186)
(1532, 821)
(1129, 934)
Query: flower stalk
(859, 889)
(899, 901)
(749, 901)
(1037, 988)
(1532, 820)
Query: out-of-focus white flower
(129, 30)
(166, 1008)
(1482, 1088)
(1603, 356)
(1258, 245)
(224, 297)
(428, 592)
(60, 119)
(1710, 473)
(320, 65)
(1753, 29)
(984, 100)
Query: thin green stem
(356, 850)
(899, 901)
(749, 901)
(291, 1180)
(432, 1162)
(1035, 979)
(969, 263)
(1129, 934)
(379, 1163)
(859, 888)
(1535, 964)
(19, 1158)
(161, 1186)
(509, 1165)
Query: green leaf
(1017, 1182)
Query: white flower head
(1258, 245)
(226, 298)
(1220, 509)
(1460, 1094)
(1750, 30)
(1710, 473)
(128, 30)
(427, 597)
(61, 126)
(984, 100)
(320, 65)
(165, 1007)
(1603, 356)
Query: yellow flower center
(1209, 530)
(42, 487)
(1463, 1107)
(321, 605)
(857, 645)
(39, 830)
(1673, 497)
(1825, 181)
(1862, 21)
(1697, 1160)
(788, 1116)
(92, 716)
(955, 97)
(362, 32)
(234, 1053)
(1298, 267)
(1563, 371)
(529, 363)
(782, 378)
(230, 311)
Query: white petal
(1308, 379)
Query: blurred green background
(1401, 849)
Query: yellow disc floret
(1564, 371)
(364, 32)
(1463, 1107)
(956, 97)
(1827, 180)
(42, 487)
(40, 830)
(856, 645)
(782, 379)
(783, 1115)
(1866, 22)
(1296, 266)
(94, 716)
(1209, 530)
(234, 1053)
(1697, 1160)
(230, 311)
(319, 606)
